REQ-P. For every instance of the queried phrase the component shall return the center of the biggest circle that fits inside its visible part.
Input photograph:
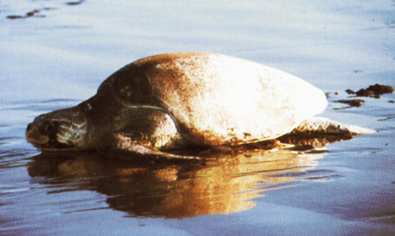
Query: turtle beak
(35, 137)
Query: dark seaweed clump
(351, 102)
(372, 91)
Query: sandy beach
(55, 54)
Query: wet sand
(57, 53)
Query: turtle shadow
(222, 184)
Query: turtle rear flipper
(317, 132)
(324, 126)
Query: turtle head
(61, 130)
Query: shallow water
(60, 56)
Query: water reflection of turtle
(166, 102)
(225, 184)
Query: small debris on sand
(14, 17)
(73, 3)
(32, 13)
(329, 94)
(351, 102)
(48, 8)
(372, 91)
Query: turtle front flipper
(316, 132)
(147, 132)
(126, 145)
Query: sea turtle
(170, 101)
